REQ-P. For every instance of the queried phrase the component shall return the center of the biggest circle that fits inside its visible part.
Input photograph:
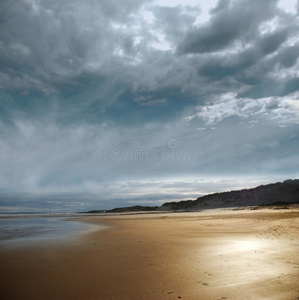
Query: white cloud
(172, 3)
(288, 6)
(294, 106)
(272, 110)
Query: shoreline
(221, 254)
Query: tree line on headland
(278, 194)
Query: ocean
(28, 229)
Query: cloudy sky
(108, 103)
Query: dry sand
(217, 254)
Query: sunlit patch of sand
(234, 258)
(253, 244)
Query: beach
(214, 254)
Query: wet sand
(217, 254)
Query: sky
(107, 103)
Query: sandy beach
(216, 254)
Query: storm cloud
(131, 79)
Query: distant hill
(133, 208)
(126, 209)
(277, 193)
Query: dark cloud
(272, 88)
(258, 66)
(288, 56)
(174, 21)
(55, 42)
(229, 23)
(60, 47)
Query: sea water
(34, 229)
